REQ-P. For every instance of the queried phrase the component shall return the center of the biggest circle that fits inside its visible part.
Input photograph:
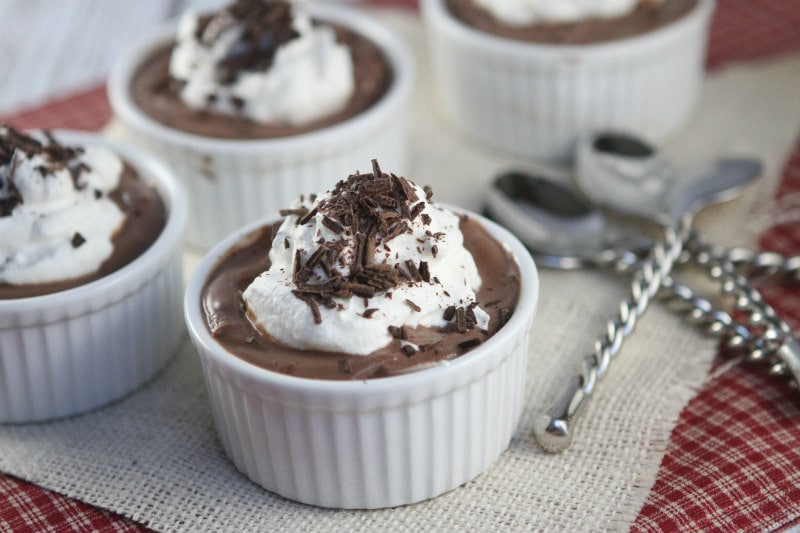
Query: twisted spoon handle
(700, 312)
(554, 429)
(784, 348)
(759, 264)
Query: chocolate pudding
(144, 210)
(224, 310)
(155, 95)
(643, 19)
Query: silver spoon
(626, 174)
(561, 229)
(611, 167)
(555, 428)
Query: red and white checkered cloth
(732, 460)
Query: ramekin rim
(394, 49)
(464, 32)
(517, 324)
(168, 186)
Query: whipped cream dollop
(56, 218)
(264, 60)
(526, 12)
(351, 269)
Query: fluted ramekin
(370, 443)
(233, 182)
(71, 351)
(532, 100)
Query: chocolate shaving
(368, 258)
(413, 306)
(358, 255)
(314, 310)
(332, 225)
(77, 240)
(395, 230)
(368, 211)
(416, 210)
(401, 272)
(57, 157)
(469, 344)
(408, 350)
(472, 321)
(307, 217)
(461, 320)
(412, 270)
(398, 332)
(424, 271)
(298, 211)
(265, 27)
(449, 313)
(237, 102)
(386, 201)
(405, 187)
(369, 312)
(11, 197)
(297, 264)
(359, 289)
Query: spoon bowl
(628, 175)
(559, 226)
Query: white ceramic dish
(532, 100)
(374, 443)
(68, 352)
(233, 182)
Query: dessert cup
(232, 182)
(532, 99)
(368, 443)
(71, 351)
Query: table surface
(55, 56)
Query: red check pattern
(731, 461)
(26, 508)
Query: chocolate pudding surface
(641, 20)
(223, 307)
(145, 220)
(151, 91)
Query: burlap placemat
(155, 456)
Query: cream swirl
(56, 218)
(264, 60)
(526, 12)
(352, 268)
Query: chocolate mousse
(374, 209)
(156, 92)
(646, 17)
(143, 209)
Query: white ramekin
(373, 443)
(233, 182)
(68, 352)
(532, 100)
